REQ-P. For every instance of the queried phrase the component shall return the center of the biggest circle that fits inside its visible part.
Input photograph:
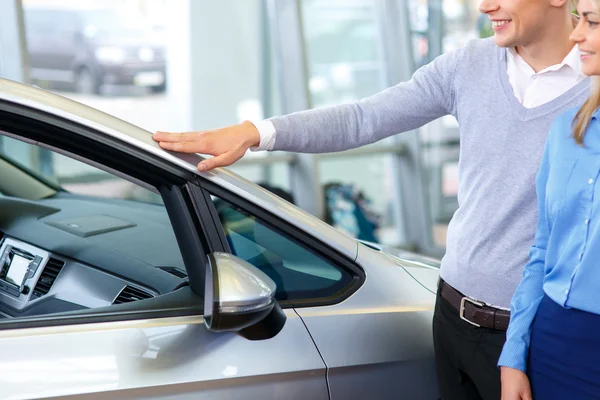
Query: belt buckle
(461, 312)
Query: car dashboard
(74, 252)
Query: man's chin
(502, 41)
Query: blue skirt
(564, 355)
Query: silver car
(186, 285)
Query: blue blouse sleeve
(529, 294)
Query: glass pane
(97, 239)
(463, 22)
(440, 141)
(439, 157)
(363, 205)
(346, 63)
(298, 272)
(96, 50)
(72, 175)
(127, 50)
(343, 49)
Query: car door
(135, 345)
(374, 332)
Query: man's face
(587, 37)
(517, 22)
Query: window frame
(297, 235)
(131, 163)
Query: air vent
(49, 274)
(174, 271)
(130, 293)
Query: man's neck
(550, 50)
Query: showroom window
(298, 272)
(440, 26)
(346, 62)
(297, 55)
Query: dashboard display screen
(17, 270)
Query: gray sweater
(501, 144)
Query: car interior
(66, 248)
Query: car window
(74, 237)
(298, 272)
(71, 175)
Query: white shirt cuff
(266, 129)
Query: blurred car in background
(90, 48)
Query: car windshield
(39, 173)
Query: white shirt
(534, 89)
(530, 88)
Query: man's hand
(226, 145)
(515, 384)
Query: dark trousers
(466, 356)
(564, 352)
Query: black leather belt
(474, 312)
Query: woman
(553, 341)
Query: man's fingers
(219, 161)
(166, 136)
(227, 145)
(176, 137)
(184, 147)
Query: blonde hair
(584, 115)
(586, 112)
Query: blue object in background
(347, 208)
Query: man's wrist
(266, 131)
(253, 135)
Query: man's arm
(429, 95)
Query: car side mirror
(239, 297)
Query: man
(505, 94)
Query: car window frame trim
(82, 132)
(211, 223)
(105, 315)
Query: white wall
(214, 57)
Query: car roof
(39, 99)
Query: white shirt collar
(572, 62)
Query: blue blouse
(564, 260)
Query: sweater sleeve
(430, 94)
